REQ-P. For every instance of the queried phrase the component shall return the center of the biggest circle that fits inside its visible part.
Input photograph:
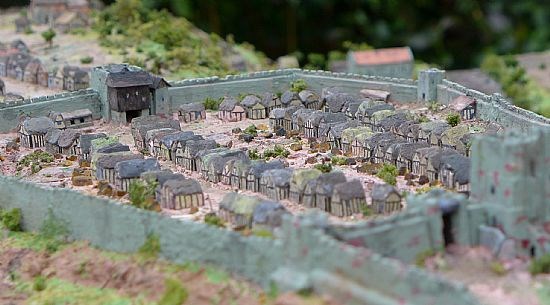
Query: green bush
(298, 85)
(251, 130)
(367, 211)
(315, 61)
(39, 283)
(498, 268)
(212, 104)
(277, 151)
(339, 160)
(388, 173)
(28, 30)
(142, 194)
(86, 60)
(36, 157)
(421, 257)
(453, 119)
(11, 219)
(324, 168)
(151, 248)
(213, 220)
(174, 293)
(540, 265)
(54, 231)
(253, 154)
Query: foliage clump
(339, 160)
(388, 173)
(11, 219)
(540, 265)
(49, 36)
(251, 130)
(174, 293)
(298, 85)
(35, 160)
(213, 220)
(150, 248)
(324, 168)
(212, 104)
(498, 268)
(86, 60)
(253, 154)
(367, 211)
(453, 119)
(39, 283)
(142, 194)
(421, 257)
(277, 151)
(54, 232)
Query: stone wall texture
(302, 255)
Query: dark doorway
(448, 235)
(132, 114)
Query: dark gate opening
(131, 114)
(448, 236)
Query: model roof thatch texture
(143, 128)
(250, 100)
(113, 148)
(302, 176)
(277, 113)
(380, 192)
(268, 98)
(194, 147)
(192, 107)
(228, 103)
(86, 141)
(152, 176)
(239, 204)
(279, 177)
(308, 96)
(336, 102)
(325, 92)
(408, 150)
(134, 168)
(52, 136)
(459, 164)
(109, 161)
(39, 125)
(80, 113)
(160, 132)
(68, 137)
(77, 73)
(257, 169)
(327, 181)
(379, 137)
(336, 129)
(184, 186)
(454, 134)
(129, 79)
(144, 120)
(434, 127)
(169, 139)
(435, 159)
(288, 96)
(349, 190)
(266, 211)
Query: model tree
(48, 36)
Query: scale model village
(350, 174)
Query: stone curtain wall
(492, 108)
(309, 257)
(41, 106)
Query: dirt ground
(130, 276)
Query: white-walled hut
(192, 112)
(230, 110)
(74, 119)
(255, 109)
(180, 194)
(348, 198)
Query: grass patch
(253, 154)
(216, 276)
(388, 173)
(212, 104)
(277, 151)
(150, 249)
(453, 119)
(497, 268)
(142, 194)
(214, 220)
(251, 130)
(324, 168)
(174, 293)
(540, 265)
(339, 160)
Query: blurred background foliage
(450, 33)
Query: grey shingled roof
(257, 169)
(329, 118)
(185, 186)
(129, 79)
(279, 177)
(459, 164)
(435, 159)
(379, 137)
(39, 125)
(86, 141)
(380, 192)
(144, 120)
(169, 139)
(372, 110)
(267, 98)
(277, 113)
(336, 129)
(113, 147)
(325, 92)
(192, 107)
(349, 190)
(228, 103)
(391, 121)
(336, 102)
(134, 168)
(408, 150)
(109, 161)
(327, 181)
(250, 100)
(68, 137)
(308, 96)
(80, 113)
(266, 211)
(196, 146)
(52, 136)
(288, 96)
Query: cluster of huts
(16, 62)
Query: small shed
(192, 112)
(255, 109)
(152, 139)
(352, 108)
(52, 137)
(256, 170)
(128, 171)
(69, 142)
(268, 215)
(324, 188)
(235, 172)
(434, 163)
(290, 98)
(300, 179)
(275, 183)
(230, 110)
(300, 118)
(310, 99)
(159, 177)
(436, 134)
(386, 199)
(425, 130)
(348, 198)
(35, 71)
(237, 210)
(465, 106)
(142, 129)
(105, 165)
(271, 101)
(180, 194)
(168, 144)
(277, 118)
(74, 119)
(32, 131)
(192, 149)
(86, 144)
(454, 172)
(372, 143)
